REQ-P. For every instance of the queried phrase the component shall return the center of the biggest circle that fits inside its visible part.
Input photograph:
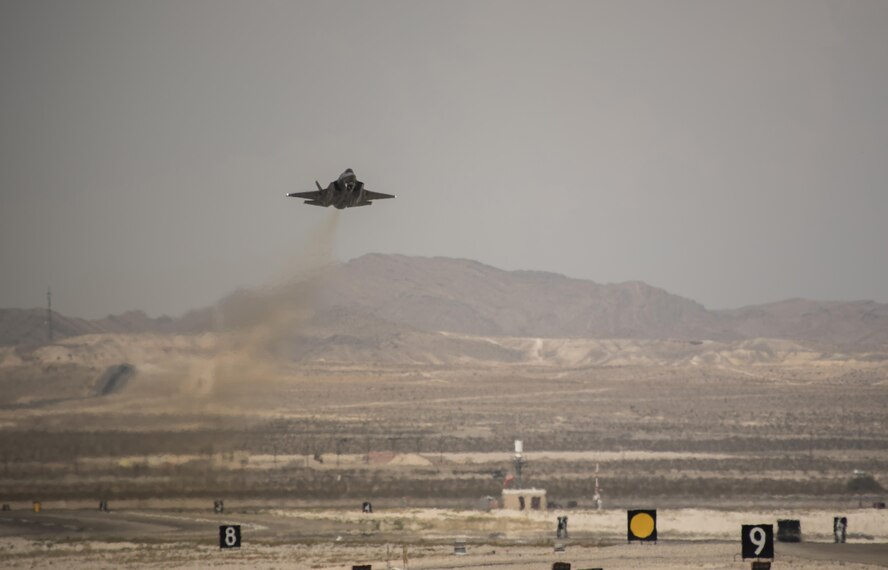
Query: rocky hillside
(29, 326)
(831, 322)
(454, 295)
(470, 298)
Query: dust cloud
(255, 328)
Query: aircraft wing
(376, 195)
(307, 195)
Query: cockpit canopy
(348, 179)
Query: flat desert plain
(713, 436)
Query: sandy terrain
(712, 435)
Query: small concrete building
(524, 499)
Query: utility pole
(49, 313)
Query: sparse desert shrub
(864, 483)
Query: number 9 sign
(230, 536)
(758, 541)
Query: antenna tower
(519, 462)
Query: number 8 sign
(758, 541)
(229, 536)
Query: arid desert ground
(712, 435)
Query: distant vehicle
(344, 192)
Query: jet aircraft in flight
(344, 192)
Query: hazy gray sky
(730, 152)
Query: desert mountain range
(381, 296)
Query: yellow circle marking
(642, 525)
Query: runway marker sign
(642, 525)
(230, 536)
(840, 529)
(757, 541)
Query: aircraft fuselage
(344, 192)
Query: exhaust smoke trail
(256, 327)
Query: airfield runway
(81, 538)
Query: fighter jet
(344, 192)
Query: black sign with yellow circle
(642, 525)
